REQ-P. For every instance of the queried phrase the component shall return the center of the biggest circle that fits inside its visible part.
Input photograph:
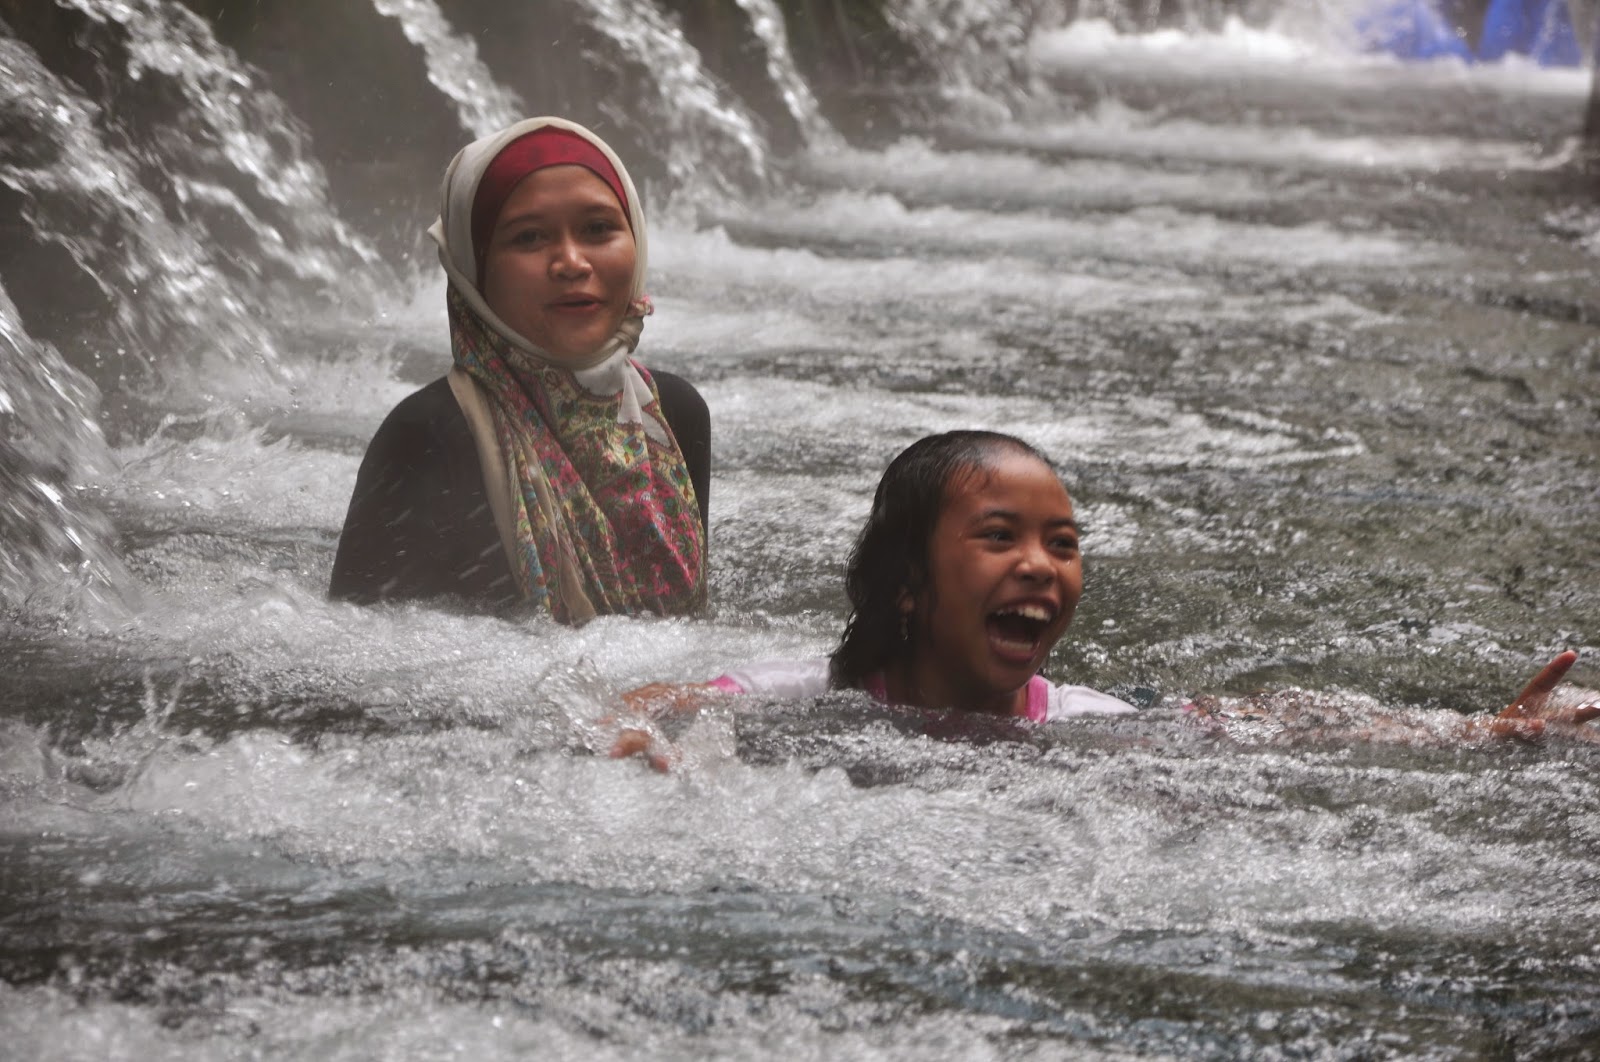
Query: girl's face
(1004, 579)
(559, 268)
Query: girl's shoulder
(778, 678)
(800, 679)
(1046, 702)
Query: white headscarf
(608, 370)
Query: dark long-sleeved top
(420, 525)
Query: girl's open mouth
(1015, 631)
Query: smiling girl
(965, 577)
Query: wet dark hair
(890, 558)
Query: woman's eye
(600, 228)
(527, 237)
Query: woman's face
(559, 268)
(1004, 577)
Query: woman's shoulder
(422, 450)
(433, 406)
(686, 413)
(426, 423)
(681, 402)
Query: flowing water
(1315, 338)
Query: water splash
(482, 104)
(54, 557)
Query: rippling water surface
(1319, 357)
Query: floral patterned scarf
(605, 517)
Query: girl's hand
(654, 701)
(1535, 709)
(657, 752)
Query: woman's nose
(568, 259)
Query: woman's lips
(575, 307)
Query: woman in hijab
(548, 468)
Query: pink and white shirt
(798, 679)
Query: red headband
(547, 146)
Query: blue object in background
(1540, 29)
(1413, 29)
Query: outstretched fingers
(1537, 692)
(1539, 707)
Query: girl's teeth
(1033, 612)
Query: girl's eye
(1064, 545)
(997, 534)
(528, 237)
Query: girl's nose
(1033, 561)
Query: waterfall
(182, 189)
(54, 557)
(170, 198)
(698, 124)
(236, 149)
(979, 48)
(85, 196)
(482, 104)
(767, 21)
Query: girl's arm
(675, 698)
(788, 679)
(1544, 708)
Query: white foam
(1144, 433)
(963, 265)
(1304, 47)
(413, 1016)
(232, 474)
(1117, 132)
(911, 167)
